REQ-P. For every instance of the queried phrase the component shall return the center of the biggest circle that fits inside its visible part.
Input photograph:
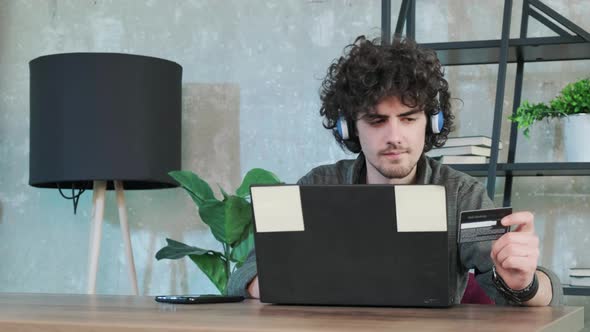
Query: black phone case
(203, 299)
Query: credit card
(482, 225)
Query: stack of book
(464, 150)
(580, 276)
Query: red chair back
(474, 294)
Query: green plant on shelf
(573, 99)
(230, 222)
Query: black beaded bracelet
(517, 296)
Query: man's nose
(393, 132)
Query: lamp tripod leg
(98, 197)
(126, 237)
(91, 232)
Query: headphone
(346, 130)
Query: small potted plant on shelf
(230, 222)
(572, 106)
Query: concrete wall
(252, 71)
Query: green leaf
(243, 247)
(176, 250)
(213, 266)
(213, 214)
(256, 176)
(227, 219)
(197, 188)
(212, 263)
(223, 192)
(239, 217)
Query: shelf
(531, 49)
(576, 290)
(528, 169)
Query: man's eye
(409, 119)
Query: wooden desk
(55, 312)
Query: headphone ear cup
(437, 122)
(343, 128)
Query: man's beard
(395, 172)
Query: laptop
(353, 245)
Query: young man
(383, 97)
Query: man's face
(392, 139)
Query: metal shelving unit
(527, 169)
(576, 290)
(482, 52)
(572, 43)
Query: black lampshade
(104, 116)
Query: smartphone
(198, 299)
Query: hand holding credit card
(482, 225)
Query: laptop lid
(377, 245)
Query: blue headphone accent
(344, 129)
(437, 122)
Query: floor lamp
(104, 121)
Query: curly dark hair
(370, 71)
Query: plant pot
(576, 129)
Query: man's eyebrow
(372, 116)
(410, 112)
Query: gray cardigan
(463, 193)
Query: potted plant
(230, 222)
(572, 105)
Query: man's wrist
(517, 296)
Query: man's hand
(253, 288)
(516, 253)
